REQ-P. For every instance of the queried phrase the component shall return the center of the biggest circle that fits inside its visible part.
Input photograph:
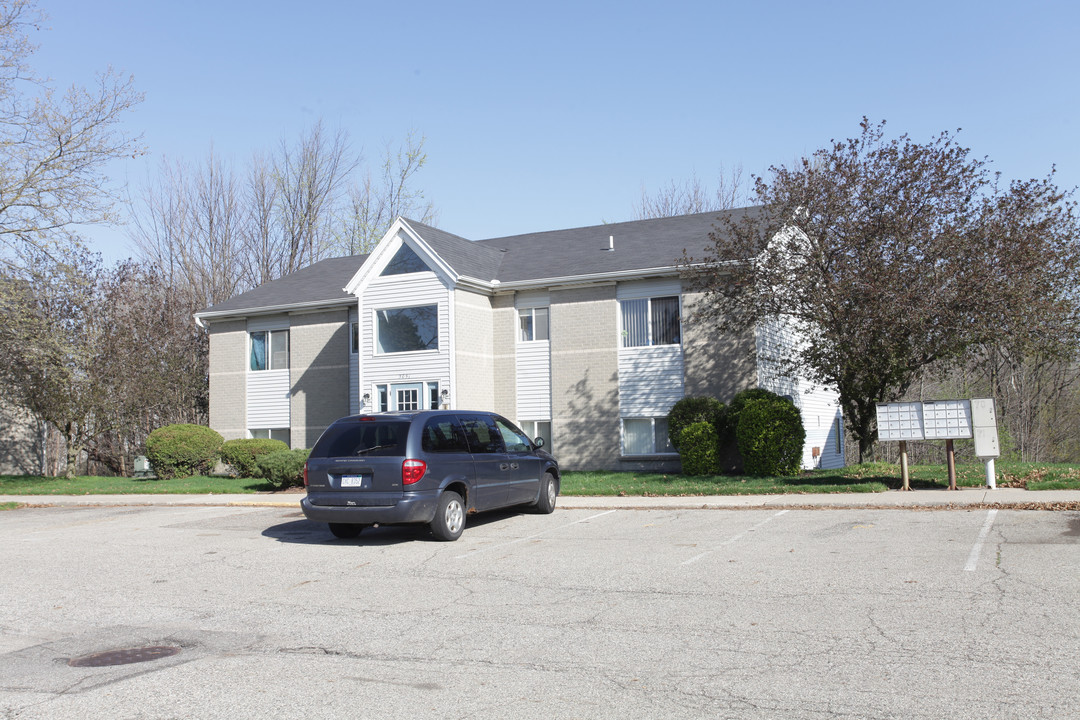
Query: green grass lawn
(869, 477)
(91, 485)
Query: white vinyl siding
(775, 341)
(650, 380)
(534, 379)
(820, 410)
(651, 368)
(404, 291)
(354, 364)
(268, 399)
(819, 407)
(268, 391)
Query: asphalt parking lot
(586, 613)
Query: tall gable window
(650, 321)
(405, 260)
(533, 323)
(407, 329)
(270, 350)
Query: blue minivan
(433, 467)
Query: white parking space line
(535, 535)
(735, 538)
(973, 558)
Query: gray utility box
(984, 422)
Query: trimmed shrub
(770, 437)
(690, 410)
(699, 448)
(243, 453)
(729, 416)
(284, 468)
(183, 450)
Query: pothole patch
(124, 656)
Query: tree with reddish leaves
(892, 255)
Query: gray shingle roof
(468, 258)
(317, 283)
(639, 245)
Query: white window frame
(624, 335)
(375, 325)
(531, 314)
(532, 429)
(652, 425)
(269, 433)
(270, 334)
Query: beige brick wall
(504, 331)
(715, 365)
(228, 378)
(585, 377)
(319, 373)
(473, 351)
(20, 441)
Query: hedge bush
(728, 424)
(690, 410)
(183, 450)
(770, 437)
(699, 448)
(243, 453)
(284, 468)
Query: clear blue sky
(541, 116)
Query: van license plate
(354, 481)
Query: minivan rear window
(364, 438)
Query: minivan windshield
(363, 438)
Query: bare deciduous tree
(53, 146)
(192, 228)
(219, 236)
(692, 196)
(376, 202)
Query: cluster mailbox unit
(946, 420)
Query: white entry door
(409, 396)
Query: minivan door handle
(504, 466)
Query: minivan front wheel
(449, 519)
(549, 489)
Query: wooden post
(950, 457)
(903, 465)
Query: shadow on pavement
(307, 532)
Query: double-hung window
(533, 324)
(269, 350)
(650, 321)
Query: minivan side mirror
(539, 442)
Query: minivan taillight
(305, 474)
(412, 471)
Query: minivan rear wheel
(449, 519)
(345, 531)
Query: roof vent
(611, 243)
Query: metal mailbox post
(946, 420)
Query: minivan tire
(449, 519)
(345, 531)
(549, 488)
